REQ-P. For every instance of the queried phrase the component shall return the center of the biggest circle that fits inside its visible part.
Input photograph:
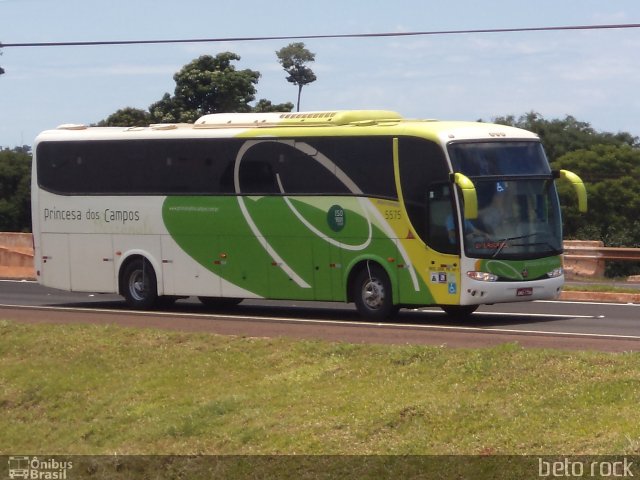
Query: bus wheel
(140, 287)
(219, 302)
(372, 293)
(459, 311)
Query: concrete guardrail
(16, 256)
(586, 258)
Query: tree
(610, 173)
(560, 136)
(293, 58)
(213, 85)
(264, 105)
(166, 110)
(15, 184)
(205, 85)
(126, 117)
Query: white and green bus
(346, 206)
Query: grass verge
(83, 389)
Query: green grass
(82, 389)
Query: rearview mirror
(578, 186)
(469, 195)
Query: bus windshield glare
(518, 208)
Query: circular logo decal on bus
(336, 218)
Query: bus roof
(357, 122)
(328, 118)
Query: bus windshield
(476, 159)
(518, 208)
(516, 218)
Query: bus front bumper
(475, 292)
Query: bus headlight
(482, 276)
(556, 272)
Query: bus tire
(459, 311)
(139, 285)
(372, 293)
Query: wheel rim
(137, 286)
(373, 293)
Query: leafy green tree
(15, 183)
(264, 105)
(293, 59)
(213, 85)
(127, 117)
(560, 136)
(166, 110)
(205, 85)
(611, 174)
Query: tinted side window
(289, 167)
(136, 166)
(190, 166)
(367, 161)
(422, 163)
(304, 166)
(441, 219)
(322, 166)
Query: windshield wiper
(504, 241)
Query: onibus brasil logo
(36, 468)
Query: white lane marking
(507, 314)
(449, 328)
(575, 302)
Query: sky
(593, 75)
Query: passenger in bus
(490, 218)
(494, 214)
(469, 229)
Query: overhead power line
(314, 37)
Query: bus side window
(257, 177)
(441, 220)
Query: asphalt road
(566, 325)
